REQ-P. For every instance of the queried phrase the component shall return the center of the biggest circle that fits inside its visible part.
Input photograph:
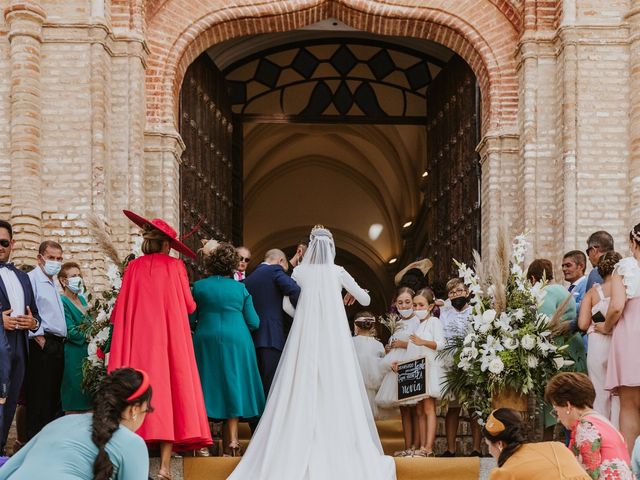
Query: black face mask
(459, 302)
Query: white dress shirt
(454, 323)
(14, 291)
(49, 305)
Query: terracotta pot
(509, 398)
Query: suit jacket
(7, 335)
(268, 285)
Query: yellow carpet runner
(415, 468)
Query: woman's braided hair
(110, 402)
(607, 262)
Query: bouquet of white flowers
(508, 347)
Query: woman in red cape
(151, 332)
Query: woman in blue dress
(100, 445)
(225, 354)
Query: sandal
(161, 476)
(233, 450)
(404, 453)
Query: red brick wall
(485, 33)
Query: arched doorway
(484, 47)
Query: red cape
(151, 332)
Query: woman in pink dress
(623, 319)
(597, 444)
(151, 332)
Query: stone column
(163, 152)
(633, 19)
(24, 20)
(500, 169)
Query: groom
(268, 285)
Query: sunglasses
(245, 259)
(5, 243)
(591, 248)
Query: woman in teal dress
(74, 400)
(225, 354)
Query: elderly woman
(595, 442)
(226, 357)
(74, 400)
(518, 460)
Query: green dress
(75, 351)
(225, 354)
(554, 297)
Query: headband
(144, 386)
(493, 425)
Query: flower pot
(509, 398)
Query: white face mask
(52, 268)
(75, 284)
(421, 314)
(406, 313)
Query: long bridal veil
(317, 424)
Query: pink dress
(600, 449)
(623, 368)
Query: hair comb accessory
(208, 247)
(144, 386)
(494, 426)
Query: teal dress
(75, 351)
(63, 450)
(554, 297)
(225, 354)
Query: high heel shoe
(233, 450)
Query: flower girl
(425, 342)
(387, 397)
(369, 352)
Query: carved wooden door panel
(452, 191)
(211, 168)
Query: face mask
(406, 313)
(421, 314)
(459, 302)
(51, 267)
(74, 284)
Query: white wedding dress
(317, 424)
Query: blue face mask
(52, 268)
(75, 285)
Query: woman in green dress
(74, 400)
(225, 354)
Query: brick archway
(485, 34)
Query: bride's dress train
(317, 424)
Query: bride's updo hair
(607, 262)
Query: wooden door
(452, 188)
(211, 168)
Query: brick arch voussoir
(493, 65)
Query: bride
(317, 424)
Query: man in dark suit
(268, 285)
(19, 315)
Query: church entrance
(373, 136)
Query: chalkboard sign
(412, 379)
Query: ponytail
(110, 402)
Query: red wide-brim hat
(165, 228)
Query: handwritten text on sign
(412, 379)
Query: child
(387, 397)
(369, 352)
(425, 342)
(455, 320)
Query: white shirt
(454, 323)
(49, 305)
(14, 291)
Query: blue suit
(14, 348)
(268, 285)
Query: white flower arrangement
(509, 344)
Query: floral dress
(600, 449)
